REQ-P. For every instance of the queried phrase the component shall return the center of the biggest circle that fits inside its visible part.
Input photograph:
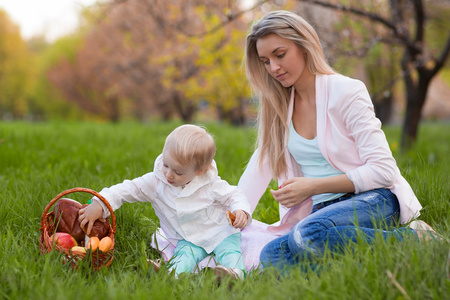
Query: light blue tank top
(307, 154)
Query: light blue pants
(227, 253)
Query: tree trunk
(184, 107)
(238, 114)
(383, 108)
(415, 96)
(112, 108)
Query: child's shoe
(156, 264)
(224, 272)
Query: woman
(319, 137)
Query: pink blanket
(254, 238)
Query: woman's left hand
(293, 191)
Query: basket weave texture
(97, 259)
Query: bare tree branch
(230, 18)
(420, 20)
(443, 57)
(398, 31)
(405, 72)
(362, 51)
(356, 11)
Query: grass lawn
(40, 160)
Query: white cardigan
(196, 213)
(351, 140)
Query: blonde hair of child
(191, 145)
(273, 131)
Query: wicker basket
(97, 259)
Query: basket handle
(75, 190)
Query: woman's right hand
(296, 190)
(89, 215)
(293, 191)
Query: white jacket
(195, 213)
(350, 139)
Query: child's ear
(200, 172)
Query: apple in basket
(64, 240)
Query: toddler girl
(190, 200)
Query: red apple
(64, 240)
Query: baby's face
(175, 173)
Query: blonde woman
(319, 137)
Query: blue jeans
(228, 253)
(333, 224)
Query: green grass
(40, 160)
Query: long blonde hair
(273, 128)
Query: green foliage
(46, 100)
(222, 81)
(437, 29)
(25, 91)
(426, 168)
(24, 88)
(220, 78)
(15, 71)
(39, 160)
(360, 44)
(445, 75)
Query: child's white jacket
(351, 140)
(196, 213)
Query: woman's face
(282, 58)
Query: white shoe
(424, 231)
(156, 264)
(224, 272)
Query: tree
(14, 70)
(354, 47)
(121, 65)
(113, 73)
(218, 78)
(153, 53)
(381, 67)
(157, 58)
(405, 26)
(199, 63)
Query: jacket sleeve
(255, 180)
(378, 169)
(231, 196)
(139, 189)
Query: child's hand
(90, 214)
(241, 219)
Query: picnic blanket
(254, 238)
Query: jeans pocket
(388, 206)
(393, 219)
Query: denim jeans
(333, 224)
(227, 253)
